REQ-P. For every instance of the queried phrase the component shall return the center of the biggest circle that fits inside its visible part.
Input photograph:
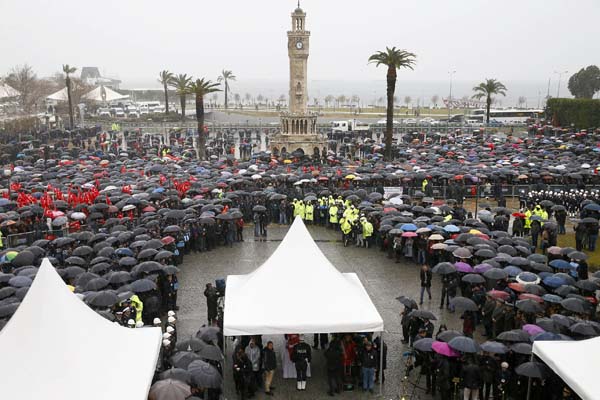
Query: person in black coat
(334, 357)
(211, 302)
(471, 379)
(269, 360)
(426, 277)
(383, 366)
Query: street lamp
(450, 94)
(560, 73)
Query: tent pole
(381, 363)
(529, 381)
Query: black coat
(426, 277)
(269, 359)
(471, 375)
(334, 357)
(369, 358)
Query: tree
(585, 83)
(487, 89)
(341, 100)
(407, 100)
(248, 97)
(225, 77)
(23, 79)
(328, 99)
(281, 99)
(237, 98)
(355, 99)
(260, 98)
(393, 59)
(201, 88)
(67, 70)
(434, 100)
(165, 77)
(215, 97)
(521, 101)
(181, 83)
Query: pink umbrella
(463, 267)
(409, 234)
(481, 268)
(532, 330)
(444, 349)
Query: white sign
(389, 191)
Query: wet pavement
(382, 277)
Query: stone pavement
(382, 277)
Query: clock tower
(298, 129)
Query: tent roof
(7, 91)
(111, 95)
(575, 362)
(61, 95)
(56, 346)
(297, 290)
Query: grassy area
(568, 240)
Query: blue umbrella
(158, 190)
(560, 264)
(452, 228)
(592, 207)
(546, 336)
(554, 281)
(124, 252)
(528, 277)
(408, 227)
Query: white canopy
(575, 362)
(55, 346)
(61, 95)
(7, 91)
(103, 93)
(297, 290)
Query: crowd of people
(117, 223)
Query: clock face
(299, 45)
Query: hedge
(582, 113)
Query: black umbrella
(182, 359)
(210, 352)
(448, 335)
(74, 271)
(495, 274)
(192, 344)
(422, 314)
(104, 298)
(562, 320)
(407, 301)
(423, 344)
(147, 267)
(259, 208)
(83, 251)
(25, 257)
(162, 255)
(143, 285)
(464, 344)
(464, 303)
(494, 347)
(147, 253)
(204, 375)
(583, 328)
(208, 334)
(127, 261)
(532, 369)
(521, 348)
(96, 284)
(75, 261)
(8, 309)
(515, 335)
(119, 277)
(444, 268)
(7, 292)
(573, 304)
(178, 374)
(473, 278)
(529, 306)
(20, 281)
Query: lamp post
(450, 94)
(560, 73)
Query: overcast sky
(133, 40)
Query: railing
(27, 238)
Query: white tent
(7, 91)
(297, 290)
(103, 93)
(575, 362)
(55, 346)
(61, 95)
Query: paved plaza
(382, 277)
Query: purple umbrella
(481, 268)
(444, 349)
(532, 329)
(463, 267)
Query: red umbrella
(148, 209)
(168, 240)
(530, 296)
(498, 294)
(517, 287)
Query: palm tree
(181, 83)
(394, 59)
(225, 77)
(69, 70)
(487, 89)
(328, 99)
(522, 100)
(201, 88)
(248, 97)
(434, 100)
(260, 98)
(237, 98)
(165, 77)
(407, 101)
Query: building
(298, 127)
(91, 76)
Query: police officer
(301, 356)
